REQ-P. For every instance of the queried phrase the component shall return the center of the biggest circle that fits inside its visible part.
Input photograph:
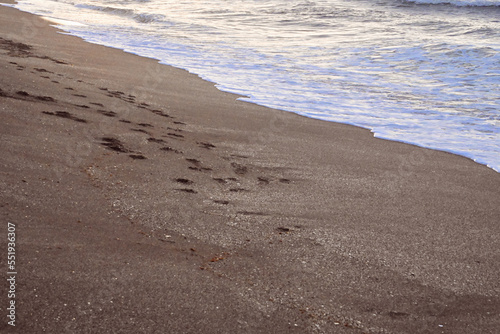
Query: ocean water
(425, 72)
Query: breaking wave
(459, 3)
(124, 12)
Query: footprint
(263, 180)
(221, 202)
(239, 169)
(141, 130)
(239, 156)
(54, 60)
(81, 106)
(206, 145)
(196, 162)
(107, 113)
(65, 114)
(161, 113)
(188, 190)
(45, 98)
(197, 165)
(155, 140)
(116, 93)
(22, 93)
(220, 180)
(26, 95)
(42, 70)
(184, 181)
(114, 145)
(236, 190)
(200, 169)
(79, 95)
(137, 156)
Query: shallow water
(425, 72)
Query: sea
(425, 72)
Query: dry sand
(147, 201)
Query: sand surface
(147, 201)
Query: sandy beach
(147, 201)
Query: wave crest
(459, 3)
(130, 13)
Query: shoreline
(146, 199)
(371, 127)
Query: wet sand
(147, 201)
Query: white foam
(460, 3)
(62, 22)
